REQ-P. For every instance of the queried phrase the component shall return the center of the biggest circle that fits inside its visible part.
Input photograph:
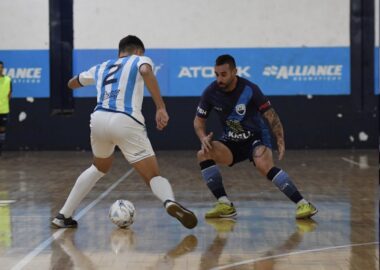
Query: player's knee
(103, 164)
(201, 155)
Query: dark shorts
(242, 150)
(4, 118)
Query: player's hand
(162, 118)
(281, 149)
(206, 142)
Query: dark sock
(211, 175)
(282, 180)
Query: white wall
(212, 23)
(24, 24)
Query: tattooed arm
(275, 124)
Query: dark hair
(130, 43)
(225, 59)
(1, 63)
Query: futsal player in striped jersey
(117, 120)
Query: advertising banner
(278, 71)
(29, 70)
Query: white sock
(302, 201)
(225, 200)
(161, 188)
(83, 185)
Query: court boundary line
(353, 162)
(37, 250)
(6, 202)
(291, 254)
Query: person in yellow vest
(5, 96)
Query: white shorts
(109, 129)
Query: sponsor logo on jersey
(240, 109)
(207, 72)
(111, 94)
(201, 111)
(219, 109)
(24, 75)
(304, 72)
(238, 136)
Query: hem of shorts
(144, 157)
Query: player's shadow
(187, 245)
(210, 258)
(268, 260)
(223, 227)
(65, 255)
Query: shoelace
(304, 205)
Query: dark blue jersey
(239, 110)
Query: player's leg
(102, 148)
(2, 138)
(263, 160)
(84, 183)
(219, 154)
(137, 149)
(3, 128)
(162, 189)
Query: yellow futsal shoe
(305, 210)
(306, 225)
(221, 210)
(222, 225)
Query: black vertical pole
(368, 54)
(362, 44)
(61, 47)
(362, 33)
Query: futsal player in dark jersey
(248, 120)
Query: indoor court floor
(343, 184)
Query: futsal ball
(122, 213)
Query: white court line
(48, 241)
(290, 254)
(351, 161)
(7, 201)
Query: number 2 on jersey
(107, 79)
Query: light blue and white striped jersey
(119, 84)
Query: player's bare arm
(200, 130)
(74, 83)
(151, 83)
(275, 124)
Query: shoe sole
(223, 216)
(308, 215)
(186, 217)
(54, 225)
